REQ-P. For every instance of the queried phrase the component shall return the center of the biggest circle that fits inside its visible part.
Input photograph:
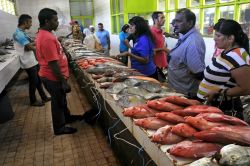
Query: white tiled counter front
(8, 68)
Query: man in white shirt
(25, 49)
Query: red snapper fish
(162, 105)
(214, 117)
(202, 124)
(170, 117)
(164, 136)
(141, 111)
(184, 130)
(181, 101)
(194, 150)
(197, 109)
(226, 135)
(153, 123)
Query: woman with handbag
(228, 76)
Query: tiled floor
(28, 138)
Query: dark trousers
(58, 103)
(35, 83)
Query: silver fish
(205, 161)
(134, 90)
(116, 88)
(235, 155)
(130, 100)
(150, 86)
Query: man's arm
(30, 47)
(57, 72)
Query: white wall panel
(32, 7)
(8, 24)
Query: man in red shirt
(54, 70)
(160, 58)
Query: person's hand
(66, 87)
(60, 38)
(123, 54)
(211, 95)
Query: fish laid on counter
(214, 117)
(144, 78)
(141, 111)
(197, 109)
(162, 105)
(170, 117)
(194, 149)
(153, 123)
(226, 135)
(150, 86)
(181, 101)
(205, 161)
(131, 81)
(202, 124)
(164, 136)
(234, 155)
(130, 101)
(184, 130)
(116, 88)
(133, 90)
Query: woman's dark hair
(231, 27)
(23, 18)
(125, 27)
(45, 14)
(141, 26)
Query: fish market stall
(146, 122)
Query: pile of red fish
(88, 62)
(199, 130)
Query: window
(195, 3)
(209, 2)
(82, 11)
(171, 18)
(245, 18)
(227, 12)
(208, 21)
(117, 15)
(171, 4)
(8, 6)
(161, 5)
(182, 4)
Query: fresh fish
(181, 101)
(183, 130)
(226, 135)
(130, 100)
(170, 117)
(116, 88)
(133, 90)
(194, 150)
(150, 86)
(152, 96)
(197, 109)
(141, 111)
(153, 123)
(131, 81)
(214, 117)
(234, 155)
(162, 105)
(144, 78)
(202, 124)
(164, 136)
(205, 161)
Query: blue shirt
(187, 57)
(122, 37)
(143, 47)
(103, 37)
(21, 37)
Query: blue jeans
(58, 103)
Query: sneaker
(46, 99)
(67, 130)
(37, 104)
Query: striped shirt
(217, 75)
